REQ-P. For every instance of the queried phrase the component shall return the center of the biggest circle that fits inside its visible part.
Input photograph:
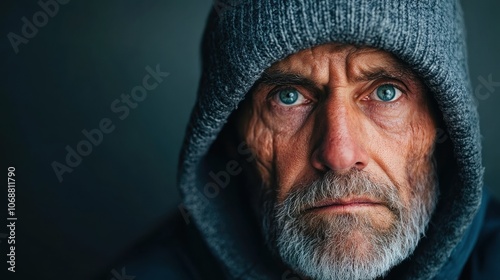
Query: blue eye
(289, 97)
(387, 93)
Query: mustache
(332, 187)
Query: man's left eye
(289, 97)
(386, 93)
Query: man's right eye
(386, 93)
(289, 97)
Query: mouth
(345, 205)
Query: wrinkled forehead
(317, 63)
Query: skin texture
(339, 125)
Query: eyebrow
(280, 78)
(399, 71)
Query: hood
(243, 38)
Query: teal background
(64, 80)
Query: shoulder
(175, 250)
(483, 263)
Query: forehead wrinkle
(313, 63)
(332, 65)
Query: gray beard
(347, 245)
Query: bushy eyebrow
(399, 71)
(279, 78)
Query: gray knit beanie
(243, 38)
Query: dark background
(64, 79)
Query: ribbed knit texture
(244, 38)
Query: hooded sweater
(219, 237)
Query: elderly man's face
(343, 138)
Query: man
(331, 140)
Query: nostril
(318, 162)
(360, 165)
(339, 155)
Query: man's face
(343, 138)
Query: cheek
(416, 138)
(259, 138)
(403, 151)
(421, 132)
(281, 151)
(291, 160)
(419, 154)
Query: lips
(345, 204)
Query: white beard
(347, 246)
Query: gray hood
(243, 38)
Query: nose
(339, 135)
